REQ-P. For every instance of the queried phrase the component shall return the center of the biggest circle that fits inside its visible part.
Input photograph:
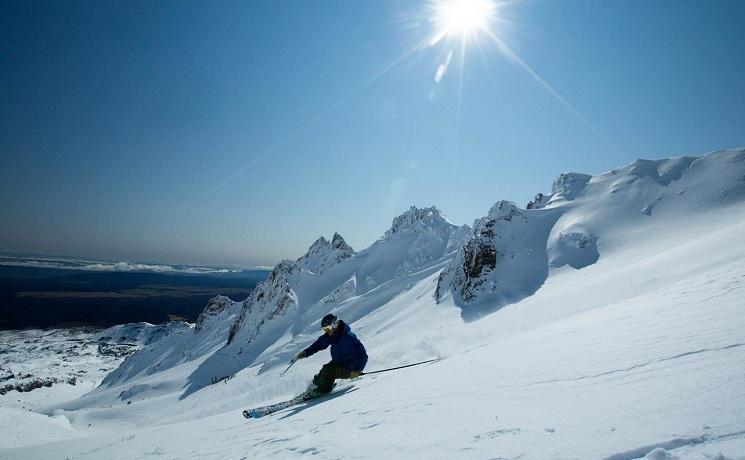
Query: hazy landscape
(33, 296)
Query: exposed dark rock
(118, 350)
(215, 306)
(539, 201)
(30, 385)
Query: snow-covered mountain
(603, 320)
(231, 336)
(324, 253)
(511, 250)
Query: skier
(348, 356)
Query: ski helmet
(328, 320)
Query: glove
(300, 355)
(354, 374)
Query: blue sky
(239, 132)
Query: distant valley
(40, 296)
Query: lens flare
(460, 18)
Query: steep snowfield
(629, 340)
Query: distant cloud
(99, 266)
(262, 267)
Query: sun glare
(461, 17)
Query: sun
(460, 18)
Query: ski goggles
(329, 328)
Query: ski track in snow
(676, 443)
(636, 366)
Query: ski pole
(399, 367)
(288, 368)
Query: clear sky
(240, 131)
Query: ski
(259, 412)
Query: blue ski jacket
(346, 348)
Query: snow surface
(42, 367)
(628, 342)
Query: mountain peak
(318, 246)
(569, 185)
(418, 220)
(324, 253)
(504, 210)
(338, 243)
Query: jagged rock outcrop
(33, 384)
(566, 187)
(272, 297)
(424, 236)
(539, 201)
(569, 185)
(216, 306)
(324, 253)
(458, 238)
(277, 294)
(503, 261)
(478, 255)
(425, 220)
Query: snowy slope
(42, 367)
(512, 250)
(627, 339)
(282, 314)
(33, 359)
